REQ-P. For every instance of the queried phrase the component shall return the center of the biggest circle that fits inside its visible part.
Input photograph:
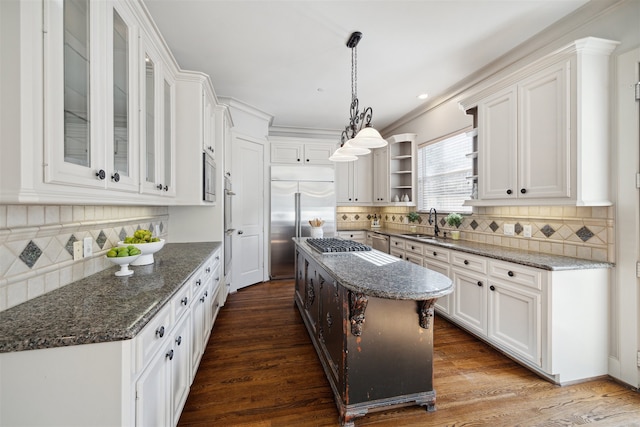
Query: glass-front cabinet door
(157, 128)
(122, 153)
(90, 94)
(73, 150)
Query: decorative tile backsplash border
(581, 232)
(36, 243)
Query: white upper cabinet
(543, 130)
(296, 151)
(535, 115)
(157, 96)
(354, 184)
(91, 124)
(381, 175)
(75, 72)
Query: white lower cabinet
(356, 235)
(552, 321)
(143, 381)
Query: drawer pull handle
(198, 282)
(179, 340)
(170, 354)
(206, 293)
(160, 332)
(413, 248)
(523, 190)
(101, 174)
(202, 299)
(218, 257)
(480, 284)
(493, 288)
(184, 301)
(510, 273)
(466, 262)
(208, 270)
(509, 191)
(435, 253)
(218, 279)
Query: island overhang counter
(370, 318)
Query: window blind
(443, 168)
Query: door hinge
(637, 269)
(638, 180)
(638, 360)
(638, 91)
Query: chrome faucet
(434, 220)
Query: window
(443, 168)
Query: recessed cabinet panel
(544, 135)
(515, 320)
(470, 300)
(149, 121)
(497, 146)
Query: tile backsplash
(580, 232)
(36, 243)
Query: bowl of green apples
(123, 256)
(146, 243)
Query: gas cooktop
(333, 245)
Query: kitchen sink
(419, 236)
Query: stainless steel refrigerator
(298, 194)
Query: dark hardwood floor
(260, 370)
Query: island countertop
(381, 275)
(102, 307)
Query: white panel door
(248, 212)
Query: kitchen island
(370, 318)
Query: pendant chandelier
(355, 139)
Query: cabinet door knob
(510, 273)
(169, 355)
(198, 282)
(435, 253)
(166, 188)
(115, 177)
(523, 190)
(298, 159)
(184, 301)
(493, 288)
(179, 340)
(509, 191)
(479, 283)
(466, 262)
(307, 160)
(160, 332)
(159, 186)
(101, 174)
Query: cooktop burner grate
(331, 244)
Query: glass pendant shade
(339, 156)
(349, 148)
(368, 138)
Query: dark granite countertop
(381, 275)
(518, 256)
(102, 307)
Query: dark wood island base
(377, 353)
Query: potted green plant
(454, 220)
(413, 217)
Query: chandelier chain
(354, 73)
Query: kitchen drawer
(398, 243)
(414, 259)
(359, 236)
(413, 247)
(434, 252)
(397, 252)
(180, 302)
(469, 262)
(515, 273)
(198, 280)
(156, 333)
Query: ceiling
(289, 59)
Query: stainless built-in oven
(208, 178)
(228, 224)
